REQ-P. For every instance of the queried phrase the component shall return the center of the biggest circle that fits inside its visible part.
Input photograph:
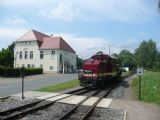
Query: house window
(41, 66)
(52, 55)
(23, 65)
(51, 67)
(20, 55)
(28, 65)
(41, 54)
(31, 54)
(60, 58)
(26, 55)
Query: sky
(87, 25)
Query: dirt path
(123, 97)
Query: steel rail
(35, 108)
(5, 112)
(95, 104)
(65, 116)
(71, 111)
(5, 97)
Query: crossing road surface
(9, 86)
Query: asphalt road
(9, 86)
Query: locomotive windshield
(87, 71)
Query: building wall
(68, 60)
(26, 46)
(50, 63)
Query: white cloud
(126, 11)
(15, 21)
(9, 35)
(69, 10)
(11, 32)
(87, 46)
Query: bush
(33, 71)
(15, 72)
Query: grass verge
(150, 90)
(60, 86)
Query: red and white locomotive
(99, 69)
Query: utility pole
(22, 75)
(109, 49)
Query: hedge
(15, 72)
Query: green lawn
(150, 87)
(60, 86)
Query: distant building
(38, 50)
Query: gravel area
(13, 102)
(123, 90)
(50, 113)
(107, 114)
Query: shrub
(15, 72)
(33, 71)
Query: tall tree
(127, 59)
(146, 54)
(11, 47)
(6, 58)
(79, 62)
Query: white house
(35, 49)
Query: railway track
(23, 110)
(3, 98)
(81, 113)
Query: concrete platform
(48, 96)
(104, 103)
(58, 97)
(32, 94)
(75, 99)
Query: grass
(60, 86)
(150, 91)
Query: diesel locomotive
(99, 69)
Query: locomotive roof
(112, 57)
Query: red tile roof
(45, 41)
(56, 43)
(32, 35)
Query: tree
(6, 58)
(127, 59)
(146, 54)
(11, 47)
(79, 62)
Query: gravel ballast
(107, 114)
(13, 102)
(53, 112)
